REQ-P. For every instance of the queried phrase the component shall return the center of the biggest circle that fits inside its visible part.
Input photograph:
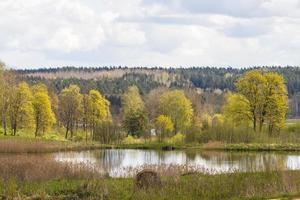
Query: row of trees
(260, 100)
(23, 106)
(171, 112)
(88, 110)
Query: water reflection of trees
(109, 159)
(247, 161)
(114, 160)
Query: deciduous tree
(133, 109)
(43, 115)
(178, 107)
(237, 109)
(7, 86)
(267, 97)
(276, 102)
(164, 126)
(20, 107)
(252, 86)
(97, 109)
(70, 100)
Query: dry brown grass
(41, 168)
(213, 145)
(40, 146)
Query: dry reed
(39, 146)
(41, 168)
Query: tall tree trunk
(254, 123)
(86, 134)
(175, 127)
(67, 131)
(4, 124)
(261, 123)
(72, 130)
(36, 127)
(15, 129)
(271, 127)
(93, 132)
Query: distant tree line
(208, 79)
(200, 77)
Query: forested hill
(114, 80)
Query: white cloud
(150, 32)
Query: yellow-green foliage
(131, 140)
(178, 107)
(70, 100)
(164, 126)
(132, 101)
(177, 139)
(237, 109)
(266, 96)
(135, 119)
(276, 101)
(97, 108)
(20, 107)
(43, 114)
(217, 120)
(206, 121)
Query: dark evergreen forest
(113, 81)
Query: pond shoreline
(214, 147)
(47, 146)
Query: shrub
(77, 138)
(177, 139)
(131, 140)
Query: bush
(177, 139)
(229, 134)
(51, 137)
(77, 138)
(131, 140)
(293, 128)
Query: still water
(118, 162)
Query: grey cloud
(249, 29)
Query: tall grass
(41, 168)
(230, 134)
(198, 186)
(42, 146)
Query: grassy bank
(252, 147)
(198, 186)
(214, 146)
(22, 145)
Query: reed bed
(167, 170)
(41, 146)
(42, 168)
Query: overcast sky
(237, 33)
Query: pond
(125, 162)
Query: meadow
(268, 185)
